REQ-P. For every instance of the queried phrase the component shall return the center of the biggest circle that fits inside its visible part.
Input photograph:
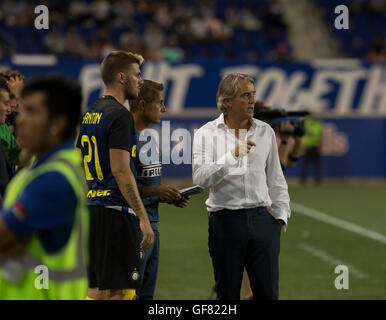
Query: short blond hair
(118, 61)
(227, 89)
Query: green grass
(186, 272)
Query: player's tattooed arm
(120, 168)
(134, 199)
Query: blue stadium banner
(352, 147)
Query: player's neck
(116, 93)
(235, 123)
(139, 122)
(48, 146)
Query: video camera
(274, 116)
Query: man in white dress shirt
(236, 157)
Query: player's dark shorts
(114, 249)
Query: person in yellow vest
(44, 218)
(313, 143)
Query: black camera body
(274, 116)
(298, 131)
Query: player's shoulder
(51, 183)
(109, 104)
(112, 109)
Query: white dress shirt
(253, 180)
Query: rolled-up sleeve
(277, 185)
(207, 171)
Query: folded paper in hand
(191, 190)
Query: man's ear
(141, 105)
(121, 78)
(228, 103)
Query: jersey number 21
(88, 158)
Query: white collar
(221, 121)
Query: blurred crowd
(373, 10)
(377, 50)
(11, 155)
(175, 30)
(171, 30)
(365, 37)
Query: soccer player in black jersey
(108, 146)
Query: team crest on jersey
(135, 275)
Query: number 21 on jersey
(88, 158)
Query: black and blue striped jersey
(106, 125)
(149, 170)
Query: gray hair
(227, 89)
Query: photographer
(289, 158)
(285, 130)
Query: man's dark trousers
(250, 238)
